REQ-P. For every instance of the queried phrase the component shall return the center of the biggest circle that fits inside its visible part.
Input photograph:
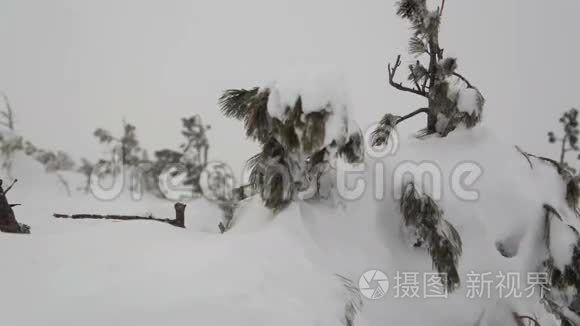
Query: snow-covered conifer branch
(353, 303)
(562, 243)
(380, 136)
(424, 219)
(302, 128)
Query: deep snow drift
(273, 270)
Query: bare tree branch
(392, 71)
(412, 114)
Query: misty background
(70, 66)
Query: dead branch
(178, 221)
(392, 71)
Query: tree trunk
(8, 221)
(434, 56)
(179, 215)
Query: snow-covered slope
(271, 270)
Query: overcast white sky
(70, 66)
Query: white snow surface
(468, 100)
(321, 88)
(562, 243)
(272, 270)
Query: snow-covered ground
(271, 270)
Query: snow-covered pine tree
(86, 169)
(125, 153)
(195, 150)
(190, 160)
(10, 142)
(451, 99)
(300, 140)
(126, 146)
(568, 143)
(131, 152)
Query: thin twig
(526, 155)
(442, 7)
(10, 186)
(550, 209)
(399, 86)
(545, 159)
(469, 85)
